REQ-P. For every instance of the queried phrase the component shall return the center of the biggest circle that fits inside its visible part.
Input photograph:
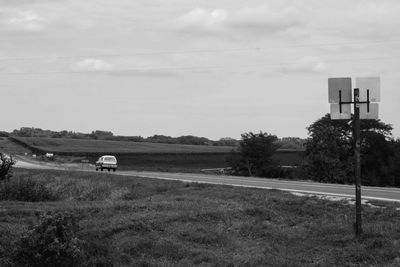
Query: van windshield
(110, 159)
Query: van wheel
(113, 170)
(108, 169)
(97, 169)
(101, 169)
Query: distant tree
(291, 143)
(129, 138)
(6, 164)
(192, 140)
(101, 135)
(255, 155)
(226, 141)
(4, 134)
(157, 138)
(329, 155)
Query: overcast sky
(206, 68)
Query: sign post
(357, 156)
(367, 91)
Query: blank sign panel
(339, 87)
(337, 115)
(371, 86)
(371, 114)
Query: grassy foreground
(127, 221)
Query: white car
(106, 162)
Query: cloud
(299, 19)
(202, 17)
(267, 19)
(202, 20)
(365, 19)
(21, 21)
(304, 65)
(378, 19)
(264, 19)
(92, 64)
(159, 73)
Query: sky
(188, 67)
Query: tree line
(284, 143)
(328, 155)
(108, 135)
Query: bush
(255, 156)
(26, 189)
(52, 242)
(83, 189)
(6, 163)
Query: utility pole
(340, 100)
(357, 157)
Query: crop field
(67, 146)
(127, 221)
(11, 147)
(144, 156)
(170, 162)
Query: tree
(291, 143)
(329, 151)
(6, 163)
(255, 155)
(226, 141)
(192, 140)
(394, 170)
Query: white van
(106, 162)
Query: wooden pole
(357, 147)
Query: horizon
(183, 67)
(116, 135)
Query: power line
(194, 51)
(196, 68)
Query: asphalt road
(347, 191)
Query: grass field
(147, 222)
(86, 146)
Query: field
(127, 221)
(143, 156)
(11, 147)
(170, 162)
(66, 146)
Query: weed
(130, 221)
(26, 189)
(52, 242)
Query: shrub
(6, 163)
(26, 189)
(255, 155)
(80, 189)
(52, 242)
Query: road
(346, 191)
